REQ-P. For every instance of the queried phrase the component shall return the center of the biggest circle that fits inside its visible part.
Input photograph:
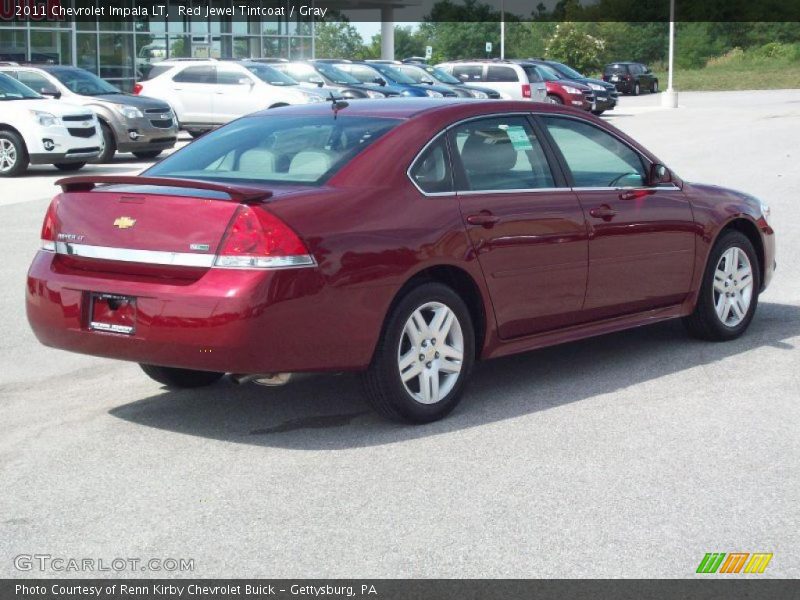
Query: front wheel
(13, 154)
(71, 166)
(553, 99)
(109, 145)
(654, 87)
(423, 358)
(181, 378)
(729, 292)
(636, 89)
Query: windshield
(442, 76)
(83, 82)
(393, 74)
(11, 89)
(336, 75)
(270, 75)
(275, 149)
(565, 70)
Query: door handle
(483, 218)
(604, 212)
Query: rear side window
(196, 75)
(431, 171)
(533, 74)
(468, 72)
(595, 158)
(276, 149)
(155, 71)
(501, 154)
(501, 74)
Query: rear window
(275, 149)
(615, 69)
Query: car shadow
(328, 412)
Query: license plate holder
(112, 313)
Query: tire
(598, 112)
(554, 99)
(383, 384)
(71, 166)
(636, 89)
(13, 154)
(654, 87)
(109, 145)
(149, 155)
(181, 378)
(197, 134)
(705, 322)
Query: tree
(337, 39)
(407, 42)
(571, 44)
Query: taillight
(50, 227)
(137, 88)
(526, 90)
(257, 239)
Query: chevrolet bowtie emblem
(124, 222)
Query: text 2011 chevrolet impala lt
(401, 239)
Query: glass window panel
(13, 45)
(116, 56)
(87, 51)
(275, 47)
(246, 47)
(150, 49)
(51, 47)
(180, 46)
(175, 22)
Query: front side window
(595, 158)
(393, 74)
(270, 75)
(231, 77)
(431, 171)
(468, 72)
(275, 149)
(35, 81)
(501, 154)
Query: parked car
(128, 123)
(606, 95)
(208, 93)
(316, 75)
(513, 80)
(35, 130)
(382, 238)
(382, 75)
(563, 91)
(424, 74)
(631, 77)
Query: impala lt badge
(124, 222)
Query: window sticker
(519, 138)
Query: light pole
(670, 97)
(502, 30)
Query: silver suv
(513, 80)
(128, 123)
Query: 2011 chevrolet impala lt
(403, 239)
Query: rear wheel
(149, 155)
(109, 145)
(13, 154)
(636, 89)
(71, 166)
(181, 378)
(197, 134)
(553, 99)
(729, 293)
(654, 87)
(424, 356)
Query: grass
(734, 77)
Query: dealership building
(121, 51)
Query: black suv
(630, 77)
(605, 94)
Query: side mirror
(659, 174)
(246, 81)
(379, 81)
(427, 81)
(51, 92)
(316, 81)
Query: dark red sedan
(403, 239)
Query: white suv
(513, 80)
(208, 93)
(37, 131)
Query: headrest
(310, 164)
(257, 159)
(489, 153)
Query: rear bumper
(228, 320)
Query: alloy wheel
(431, 352)
(733, 286)
(8, 155)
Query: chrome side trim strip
(178, 259)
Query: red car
(402, 239)
(565, 91)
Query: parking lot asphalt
(628, 455)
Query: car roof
(406, 108)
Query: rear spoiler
(238, 193)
